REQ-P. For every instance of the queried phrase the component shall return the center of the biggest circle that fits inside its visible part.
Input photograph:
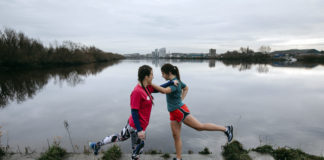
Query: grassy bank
(286, 153)
(55, 152)
(232, 151)
(17, 50)
(236, 151)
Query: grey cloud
(128, 26)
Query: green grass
(235, 151)
(205, 151)
(113, 153)
(265, 149)
(2, 153)
(166, 156)
(285, 153)
(55, 152)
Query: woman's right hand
(141, 135)
(176, 82)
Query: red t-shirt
(142, 102)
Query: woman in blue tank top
(179, 112)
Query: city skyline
(180, 26)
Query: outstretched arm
(161, 89)
(167, 84)
(184, 92)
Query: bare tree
(265, 49)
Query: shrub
(166, 156)
(113, 153)
(2, 153)
(55, 152)
(266, 149)
(284, 153)
(205, 151)
(235, 151)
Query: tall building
(212, 52)
(157, 53)
(162, 52)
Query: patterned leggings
(127, 131)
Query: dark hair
(169, 68)
(143, 71)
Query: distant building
(196, 55)
(178, 55)
(159, 53)
(212, 52)
(162, 52)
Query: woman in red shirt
(141, 102)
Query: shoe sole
(231, 128)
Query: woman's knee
(176, 135)
(199, 127)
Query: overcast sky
(140, 26)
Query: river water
(280, 104)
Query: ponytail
(176, 71)
(169, 68)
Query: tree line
(17, 49)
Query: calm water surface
(275, 104)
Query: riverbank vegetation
(235, 150)
(55, 152)
(231, 151)
(17, 49)
(113, 153)
(286, 153)
(22, 84)
(311, 58)
(246, 57)
(2, 151)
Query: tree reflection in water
(20, 85)
(264, 67)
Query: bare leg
(176, 132)
(192, 122)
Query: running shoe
(229, 133)
(94, 147)
(135, 157)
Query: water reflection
(264, 67)
(266, 103)
(212, 63)
(19, 85)
(23, 84)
